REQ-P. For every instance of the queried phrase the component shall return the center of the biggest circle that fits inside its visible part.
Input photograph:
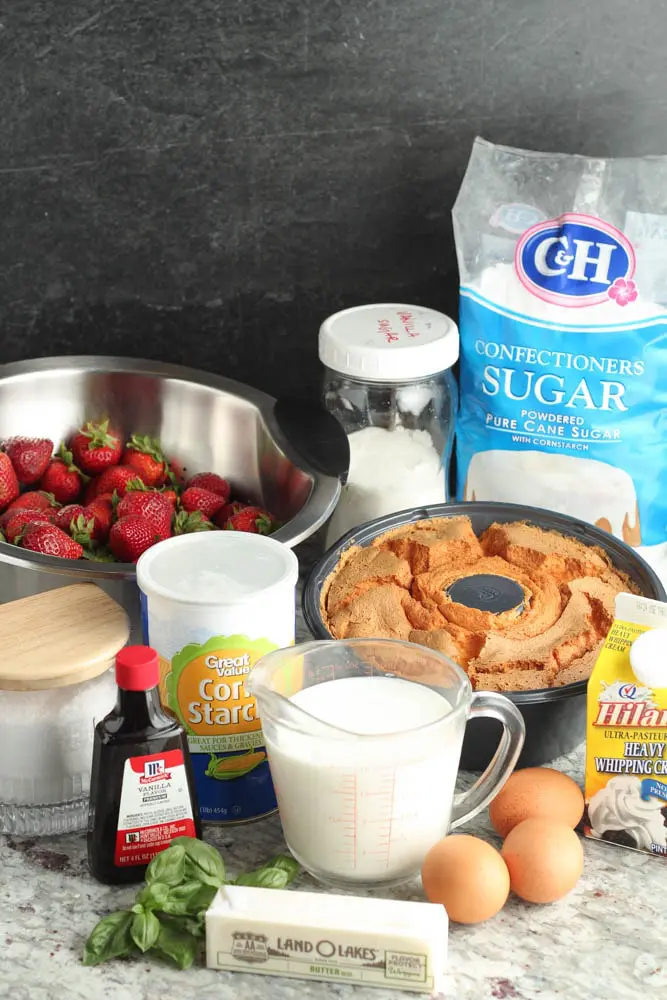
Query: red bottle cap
(137, 668)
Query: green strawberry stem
(136, 486)
(51, 498)
(98, 435)
(99, 555)
(185, 523)
(65, 456)
(81, 531)
(147, 446)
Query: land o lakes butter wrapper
(626, 738)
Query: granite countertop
(606, 941)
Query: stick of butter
(345, 939)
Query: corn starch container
(213, 603)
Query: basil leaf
(194, 925)
(153, 896)
(189, 898)
(179, 945)
(202, 862)
(287, 863)
(145, 930)
(275, 874)
(110, 938)
(265, 878)
(168, 866)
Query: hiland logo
(575, 261)
(628, 706)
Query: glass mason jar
(388, 380)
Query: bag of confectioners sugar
(563, 268)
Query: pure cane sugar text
(213, 606)
(626, 745)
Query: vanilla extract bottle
(142, 792)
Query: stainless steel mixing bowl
(274, 452)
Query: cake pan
(555, 717)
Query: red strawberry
(11, 512)
(100, 511)
(228, 511)
(253, 519)
(117, 478)
(195, 498)
(13, 509)
(130, 536)
(155, 508)
(90, 491)
(211, 482)
(16, 525)
(34, 500)
(170, 494)
(96, 447)
(62, 478)
(145, 455)
(185, 523)
(30, 457)
(63, 519)
(50, 541)
(9, 484)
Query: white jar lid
(216, 568)
(389, 342)
(648, 658)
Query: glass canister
(389, 381)
(55, 685)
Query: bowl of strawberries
(102, 458)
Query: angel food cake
(519, 608)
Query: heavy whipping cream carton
(626, 740)
(563, 323)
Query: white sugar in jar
(55, 685)
(388, 380)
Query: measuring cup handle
(489, 705)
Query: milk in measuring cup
(369, 808)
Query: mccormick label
(626, 740)
(204, 686)
(155, 807)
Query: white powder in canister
(390, 470)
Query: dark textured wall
(202, 181)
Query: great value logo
(576, 260)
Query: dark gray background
(203, 182)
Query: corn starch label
(205, 687)
(626, 739)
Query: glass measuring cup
(364, 738)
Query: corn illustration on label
(204, 686)
(626, 739)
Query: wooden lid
(60, 637)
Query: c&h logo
(576, 260)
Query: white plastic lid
(648, 658)
(389, 342)
(216, 567)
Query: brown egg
(536, 792)
(468, 876)
(544, 859)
